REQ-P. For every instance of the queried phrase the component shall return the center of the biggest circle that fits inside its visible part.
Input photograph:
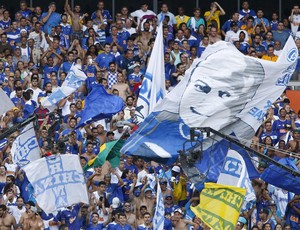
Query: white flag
(224, 90)
(25, 148)
(153, 86)
(234, 173)
(58, 182)
(5, 102)
(159, 215)
(73, 81)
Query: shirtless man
(146, 199)
(181, 223)
(294, 145)
(145, 35)
(34, 222)
(213, 35)
(130, 216)
(122, 87)
(7, 221)
(89, 151)
(76, 25)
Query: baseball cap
(242, 220)
(176, 169)
(148, 189)
(296, 131)
(115, 202)
(168, 195)
(178, 210)
(34, 209)
(120, 124)
(23, 30)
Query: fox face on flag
(220, 206)
(224, 90)
(73, 81)
(25, 148)
(58, 182)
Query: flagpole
(262, 156)
(17, 127)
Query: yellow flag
(220, 206)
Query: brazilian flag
(109, 151)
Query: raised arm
(67, 8)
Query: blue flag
(99, 104)
(210, 164)
(281, 178)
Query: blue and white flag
(153, 86)
(234, 173)
(58, 182)
(73, 81)
(224, 90)
(25, 148)
(99, 104)
(159, 215)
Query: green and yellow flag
(220, 206)
(109, 151)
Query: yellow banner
(220, 206)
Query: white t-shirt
(139, 14)
(16, 212)
(295, 23)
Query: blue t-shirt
(53, 20)
(5, 24)
(104, 59)
(66, 66)
(105, 14)
(279, 127)
(78, 133)
(70, 217)
(25, 13)
(125, 227)
(92, 227)
(47, 70)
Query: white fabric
(234, 173)
(25, 148)
(58, 182)
(73, 81)
(153, 87)
(159, 215)
(5, 103)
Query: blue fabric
(281, 178)
(99, 104)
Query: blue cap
(242, 220)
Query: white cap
(178, 210)
(115, 202)
(176, 169)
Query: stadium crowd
(37, 49)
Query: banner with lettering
(25, 148)
(58, 182)
(220, 206)
(234, 173)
